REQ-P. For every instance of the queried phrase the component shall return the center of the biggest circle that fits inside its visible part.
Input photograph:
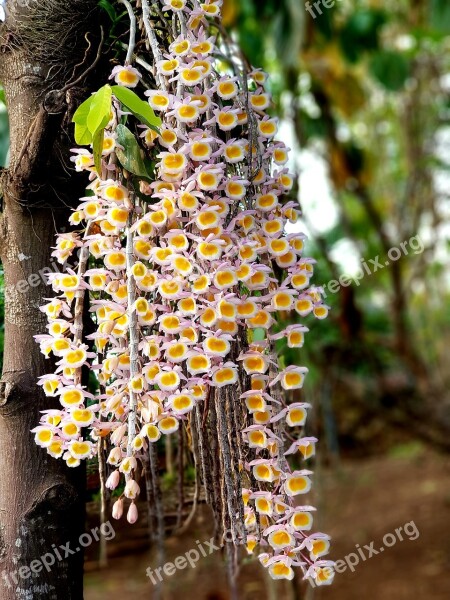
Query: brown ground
(360, 503)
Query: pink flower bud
(117, 510)
(113, 480)
(132, 515)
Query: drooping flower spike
(186, 266)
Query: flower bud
(117, 510)
(132, 515)
(113, 480)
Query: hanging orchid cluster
(185, 260)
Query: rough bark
(42, 48)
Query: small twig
(197, 430)
(180, 476)
(195, 453)
(169, 454)
(70, 85)
(234, 436)
(79, 304)
(227, 470)
(231, 561)
(159, 510)
(180, 86)
(103, 560)
(217, 492)
(278, 425)
(153, 41)
(81, 63)
(132, 41)
(138, 60)
(159, 12)
(152, 526)
(133, 333)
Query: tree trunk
(42, 48)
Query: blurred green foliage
(364, 87)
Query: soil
(359, 503)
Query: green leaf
(140, 109)
(130, 157)
(81, 114)
(323, 20)
(287, 24)
(259, 334)
(100, 110)
(150, 166)
(440, 15)
(390, 68)
(83, 136)
(97, 147)
(361, 32)
(2, 95)
(108, 8)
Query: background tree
(364, 88)
(46, 48)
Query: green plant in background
(364, 87)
